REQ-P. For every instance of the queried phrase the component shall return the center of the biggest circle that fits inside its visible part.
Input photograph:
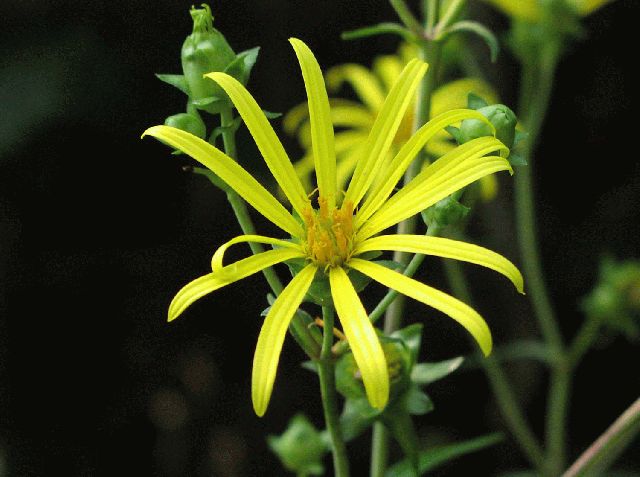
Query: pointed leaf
(177, 81)
(427, 373)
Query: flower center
(329, 234)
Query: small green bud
(502, 118)
(192, 123)
(301, 448)
(615, 300)
(204, 51)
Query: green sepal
(240, 68)
(436, 456)
(416, 401)
(475, 101)
(444, 213)
(191, 123)
(178, 81)
(517, 153)
(466, 26)
(423, 374)
(301, 447)
(411, 336)
(357, 416)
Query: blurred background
(98, 231)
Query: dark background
(98, 230)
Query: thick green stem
(430, 51)
(556, 420)
(326, 370)
(300, 330)
(498, 380)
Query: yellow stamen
(329, 234)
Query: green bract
(191, 123)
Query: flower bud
(191, 123)
(502, 118)
(301, 447)
(204, 51)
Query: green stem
(538, 74)
(406, 16)
(393, 303)
(300, 330)
(605, 450)
(498, 380)
(583, 340)
(326, 370)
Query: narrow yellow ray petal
(265, 138)
(429, 193)
(364, 83)
(388, 69)
(352, 117)
(362, 338)
(384, 130)
(322, 140)
(218, 256)
(391, 174)
(295, 117)
(231, 172)
(453, 95)
(462, 313)
(446, 248)
(271, 339)
(229, 274)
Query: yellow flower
(332, 237)
(532, 10)
(355, 120)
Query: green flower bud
(502, 118)
(615, 300)
(301, 448)
(192, 123)
(204, 51)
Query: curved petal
(294, 118)
(271, 339)
(354, 116)
(364, 83)
(388, 69)
(455, 170)
(453, 95)
(384, 130)
(265, 138)
(322, 140)
(362, 338)
(218, 256)
(231, 172)
(446, 248)
(462, 313)
(232, 273)
(392, 173)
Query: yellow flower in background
(332, 233)
(355, 119)
(532, 10)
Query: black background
(98, 230)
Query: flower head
(332, 234)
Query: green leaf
(427, 373)
(466, 26)
(301, 448)
(475, 102)
(432, 458)
(177, 81)
(271, 114)
(411, 336)
(240, 68)
(380, 29)
(417, 402)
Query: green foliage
(301, 447)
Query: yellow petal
(384, 130)
(274, 329)
(218, 256)
(352, 116)
(392, 173)
(362, 338)
(322, 140)
(455, 170)
(364, 83)
(462, 313)
(232, 273)
(266, 140)
(528, 10)
(295, 117)
(453, 95)
(388, 69)
(446, 248)
(231, 172)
